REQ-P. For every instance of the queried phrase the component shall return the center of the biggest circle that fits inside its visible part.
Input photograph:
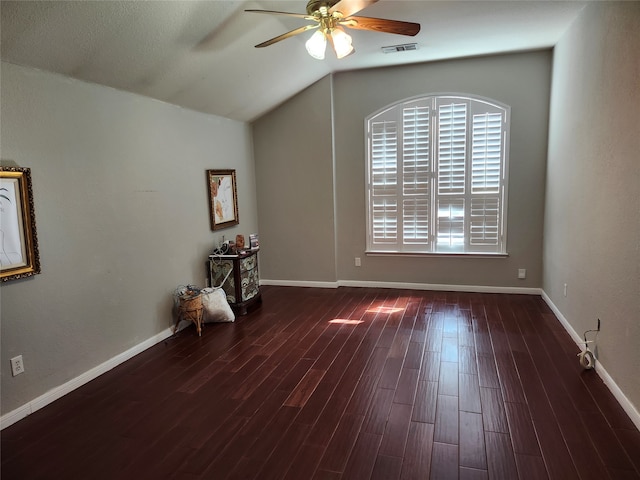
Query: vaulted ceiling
(201, 55)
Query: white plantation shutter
(385, 220)
(437, 176)
(416, 174)
(415, 143)
(415, 220)
(452, 143)
(486, 160)
(450, 224)
(384, 181)
(484, 222)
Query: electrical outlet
(565, 290)
(358, 262)
(522, 273)
(17, 365)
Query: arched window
(437, 176)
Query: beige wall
(294, 165)
(296, 139)
(592, 223)
(122, 217)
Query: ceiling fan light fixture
(327, 15)
(316, 45)
(341, 42)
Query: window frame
(434, 101)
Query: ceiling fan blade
(287, 35)
(272, 12)
(349, 7)
(382, 25)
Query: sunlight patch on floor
(383, 309)
(346, 321)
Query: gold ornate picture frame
(19, 257)
(223, 198)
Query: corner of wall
(619, 395)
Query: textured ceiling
(201, 55)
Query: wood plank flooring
(337, 384)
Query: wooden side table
(243, 285)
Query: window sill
(373, 253)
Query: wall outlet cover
(17, 365)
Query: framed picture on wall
(223, 198)
(19, 256)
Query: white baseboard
(440, 287)
(404, 286)
(622, 399)
(299, 283)
(57, 392)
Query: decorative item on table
(254, 244)
(239, 243)
(223, 248)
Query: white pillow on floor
(215, 306)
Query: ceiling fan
(329, 17)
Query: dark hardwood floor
(347, 383)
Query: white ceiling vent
(400, 48)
